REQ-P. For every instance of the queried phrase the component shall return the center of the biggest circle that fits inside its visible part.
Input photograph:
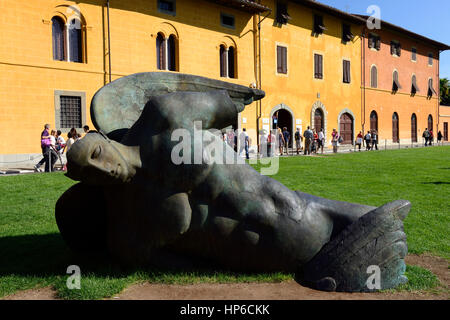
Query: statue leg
(366, 255)
(81, 218)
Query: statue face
(96, 160)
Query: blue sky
(429, 18)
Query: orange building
(400, 84)
(443, 121)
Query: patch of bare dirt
(288, 290)
(34, 294)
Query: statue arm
(215, 109)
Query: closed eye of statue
(96, 152)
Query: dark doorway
(283, 119)
(413, 128)
(318, 120)
(346, 128)
(374, 121)
(395, 137)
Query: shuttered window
(396, 48)
(346, 68)
(374, 77)
(414, 87)
(395, 83)
(282, 14)
(281, 59)
(431, 90)
(319, 27)
(347, 34)
(318, 66)
(374, 42)
(231, 57)
(58, 35)
(413, 54)
(223, 62)
(75, 41)
(430, 59)
(160, 52)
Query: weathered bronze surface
(145, 203)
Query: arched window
(374, 121)
(395, 83)
(431, 90)
(166, 52)
(231, 57)
(75, 41)
(430, 122)
(160, 52)
(413, 128)
(171, 53)
(223, 61)
(58, 36)
(374, 77)
(227, 61)
(395, 136)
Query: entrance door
(373, 121)
(413, 128)
(285, 120)
(318, 120)
(395, 127)
(445, 131)
(346, 128)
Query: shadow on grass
(436, 182)
(47, 255)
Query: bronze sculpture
(144, 203)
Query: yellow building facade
(40, 80)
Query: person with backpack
(308, 134)
(431, 138)
(368, 140)
(298, 140)
(426, 136)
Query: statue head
(97, 160)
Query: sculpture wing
(117, 106)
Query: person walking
(430, 138)
(321, 139)
(245, 143)
(45, 145)
(368, 139)
(287, 138)
(53, 155)
(439, 137)
(359, 140)
(298, 140)
(280, 140)
(270, 143)
(308, 134)
(426, 136)
(374, 139)
(335, 140)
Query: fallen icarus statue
(135, 202)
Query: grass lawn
(34, 254)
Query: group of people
(429, 137)
(370, 139)
(53, 145)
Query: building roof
(387, 25)
(330, 10)
(244, 5)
